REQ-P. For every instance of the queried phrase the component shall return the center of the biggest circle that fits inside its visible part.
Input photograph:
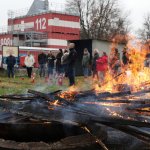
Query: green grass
(20, 85)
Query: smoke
(123, 141)
(42, 87)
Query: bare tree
(100, 19)
(144, 32)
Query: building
(41, 27)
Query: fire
(72, 89)
(55, 103)
(69, 94)
(52, 105)
(113, 113)
(103, 104)
(135, 74)
(106, 86)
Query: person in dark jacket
(50, 63)
(125, 57)
(95, 57)
(64, 62)
(58, 61)
(86, 62)
(42, 58)
(147, 60)
(10, 61)
(71, 64)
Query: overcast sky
(136, 9)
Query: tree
(99, 19)
(144, 32)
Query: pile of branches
(50, 107)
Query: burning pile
(121, 103)
(123, 111)
(136, 75)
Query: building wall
(59, 27)
(106, 46)
(5, 39)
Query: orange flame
(135, 74)
(69, 94)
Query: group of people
(65, 63)
(98, 65)
(101, 63)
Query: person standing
(42, 58)
(147, 59)
(10, 61)
(64, 62)
(95, 57)
(86, 62)
(58, 62)
(71, 64)
(125, 58)
(29, 63)
(50, 63)
(102, 66)
(115, 64)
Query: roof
(50, 11)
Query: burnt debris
(60, 118)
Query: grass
(20, 85)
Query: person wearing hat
(10, 61)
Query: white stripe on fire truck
(63, 23)
(57, 42)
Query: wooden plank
(40, 94)
(121, 101)
(118, 121)
(141, 135)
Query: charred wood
(141, 92)
(55, 92)
(139, 107)
(85, 117)
(119, 94)
(141, 135)
(99, 141)
(40, 94)
(15, 97)
(117, 121)
(144, 101)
